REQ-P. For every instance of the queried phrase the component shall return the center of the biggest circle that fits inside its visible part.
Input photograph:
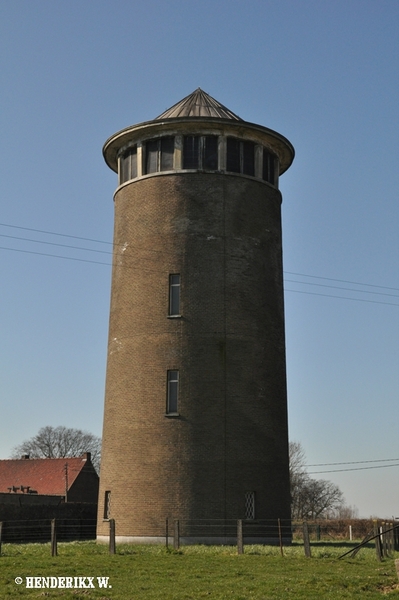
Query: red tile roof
(44, 475)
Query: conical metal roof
(198, 104)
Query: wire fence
(39, 530)
(383, 535)
(225, 531)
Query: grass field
(215, 573)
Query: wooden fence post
(391, 539)
(384, 540)
(112, 544)
(240, 539)
(53, 538)
(318, 533)
(176, 536)
(1, 532)
(395, 536)
(306, 541)
(377, 541)
(280, 537)
(397, 567)
(167, 533)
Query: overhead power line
(341, 297)
(92, 240)
(354, 462)
(56, 256)
(108, 264)
(76, 237)
(354, 469)
(14, 237)
(336, 287)
(384, 287)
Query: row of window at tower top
(198, 152)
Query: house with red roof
(71, 479)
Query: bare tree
(298, 478)
(297, 458)
(61, 442)
(310, 498)
(347, 512)
(319, 498)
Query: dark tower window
(240, 156)
(173, 392)
(151, 156)
(210, 152)
(128, 165)
(174, 295)
(248, 158)
(268, 167)
(233, 162)
(191, 153)
(159, 155)
(200, 152)
(167, 152)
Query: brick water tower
(195, 418)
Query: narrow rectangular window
(248, 158)
(107, 504)
(124, 169)
(233, 155)
(167, 152)
(174, 295)
(191, 152)
(151, 163)
(272, 170)
(133, 153)
(210, 157)
(268, 167)
(250, 505)
(173, 392)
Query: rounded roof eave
(281, 145)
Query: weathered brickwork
(222, 234)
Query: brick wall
(222, 233)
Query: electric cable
(41, 231)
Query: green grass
(200, 572)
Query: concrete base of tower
(190, 541)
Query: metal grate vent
(250, 505)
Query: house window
(250, 505)
(159, 155)
(174, 295)
(128, 165)
(268, 173)
(107, 504)
(173, 392)
(240, 156)
(200, 152)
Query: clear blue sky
(323, 74)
